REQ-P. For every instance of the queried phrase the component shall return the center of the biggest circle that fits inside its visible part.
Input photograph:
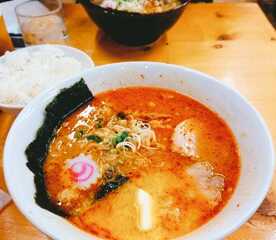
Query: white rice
(24, 74)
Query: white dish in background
(252, 135)
(68, 51)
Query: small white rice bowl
(27, 72)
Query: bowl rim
(225, 232)
(17, 107)
(125, 13)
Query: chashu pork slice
(210, 183)
(184, 138)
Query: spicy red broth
(142, 163)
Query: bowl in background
(248, 127)
(133, 29)
(79, 55)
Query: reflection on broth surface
(142, 163)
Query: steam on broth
(141, 163)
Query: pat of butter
(144, 201)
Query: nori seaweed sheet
(110, 186)
(64, 104)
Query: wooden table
(233, 42)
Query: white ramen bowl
(254, 140)
(72, 52)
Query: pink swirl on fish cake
(84, 171)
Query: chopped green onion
(120, 137)
(94, 138)
(99, 123)
(79, 134)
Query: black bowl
(133, 29)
